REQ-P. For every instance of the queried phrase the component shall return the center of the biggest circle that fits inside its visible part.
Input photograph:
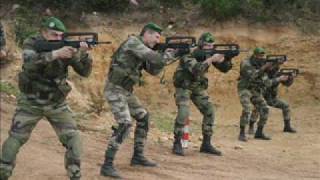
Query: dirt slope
(285, 157)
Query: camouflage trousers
(124, 105)
(246, 98)
(276, 103)
(25, 119)
(200, 99)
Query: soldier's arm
(154, 61)
(31, 56)
(82, 64)
(2, 38)
(250, 72)
(224, 66)
(195, 67)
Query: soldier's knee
(121, 132)
(183, 113)
(143, 123)
(72, 141)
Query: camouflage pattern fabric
(44, 88)
(128, 62)
(251, 85)
(2, 37)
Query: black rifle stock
(183, 43)
(91, 38)
(276, 59)
(293, 72)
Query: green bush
(221, 9)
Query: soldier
(252, 82)
(133, 56)
(3, 53)
(44, 87)
(190, 82)
(271, 96)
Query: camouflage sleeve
(250, 72)
(82, 64)
(224, 66)
(270, 82)
(193, 66)
(2, 37)
(30, 55)
(154, 61)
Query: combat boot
(260, 135)
(251, 128)
(139, 159)
(107, 169)
(242, 135)
(177, 146)
(288, 128)
(206, 146)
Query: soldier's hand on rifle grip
(283, 78)
(266, 66)
(3, 53)
(84, 47)
(217, 58)
(64, 53)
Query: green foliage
(163, 122)
(25, 25)
(221, 9)
(8, 88)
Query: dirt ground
(285, 157)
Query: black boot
(177, 146)
(242, 135)
(207, 147)
(139, 159)
(260, 135)
(251, 128)
(107, 169)
(288, 128)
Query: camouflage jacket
(44, 79)
(131, 58)
(191, 72)
(253, 78)
(272, 91)
(2, 38)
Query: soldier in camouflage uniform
(271, 96)
(3, 53)
(133, 56)
(252, 82)
(44, 87)
(191, 83)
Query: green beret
(54, 24)
(259, 50)
(153, 27)
(207, 37)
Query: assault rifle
(291, 72)
(229, 51)
(72, 39)
(182, 43)
(276, 59)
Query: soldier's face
(207, 46)
(260, 56)
(151, 38)
(52, 35)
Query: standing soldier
(44, 87)
(271, 96)
(3, 53)
(133, 56)
(252, 82)
(190, 82)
